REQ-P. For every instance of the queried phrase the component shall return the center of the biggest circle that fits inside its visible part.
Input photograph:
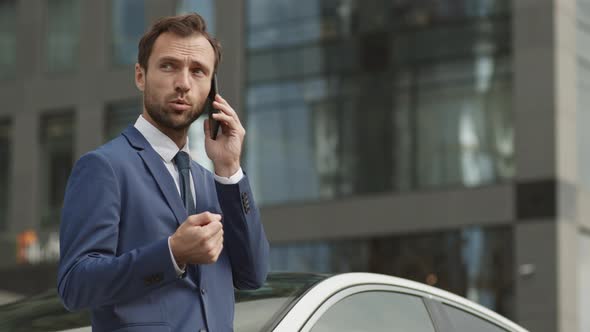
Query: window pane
(5, 169)
(376, 311)
(57, 154)
(128, 24)
(7, 38)
(415, 93)
(205, 8)
(465, 322)
(284, 136)
(474, 262)
(63, 35)
(119, 115)
(266, 126)
(464, 127)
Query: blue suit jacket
(121, 204)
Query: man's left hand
(225, 151)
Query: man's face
(177, 82)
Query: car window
(463, 321)
(376, 311)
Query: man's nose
(182, 81)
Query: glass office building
(416, 94)
(437, 140)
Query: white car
(307, 302)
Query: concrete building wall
(544, 47)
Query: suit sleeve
(245, 240)
(90, 273)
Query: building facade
(440, 141)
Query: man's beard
(164, 117)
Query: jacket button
(202, 291)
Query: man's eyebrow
(193, 62)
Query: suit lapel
(159, 172)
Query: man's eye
(197, 71)
(167, 66)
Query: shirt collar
(162, 144)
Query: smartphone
(213, 124)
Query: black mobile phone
(213, 124)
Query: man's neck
(178, 136)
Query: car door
(372, 308)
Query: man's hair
(182, 26)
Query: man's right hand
(198, 240)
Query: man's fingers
(203, 219)
(220, 99)
(225, 108)
(213, 245)
(218, 247)
(231, 122)
(227, 115)
(209, 231)
(207, 128)
(213, 228)
(225, 118)
(216, 238)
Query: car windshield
(256, 310)
(262, 309)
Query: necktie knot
(182, 160)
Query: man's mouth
(180, 105)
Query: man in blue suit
(150, 240)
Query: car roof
(335, 283)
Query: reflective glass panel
(463, 321)
(7, 38)
(5, 169)
(382, 96)
(474, 262)
(57, 157)
(128, 24)
(63, 35)
(119, 115)
(205, 8)
(378, 312)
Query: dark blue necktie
(183, 163)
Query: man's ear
(139, 77)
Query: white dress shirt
(167, 149)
